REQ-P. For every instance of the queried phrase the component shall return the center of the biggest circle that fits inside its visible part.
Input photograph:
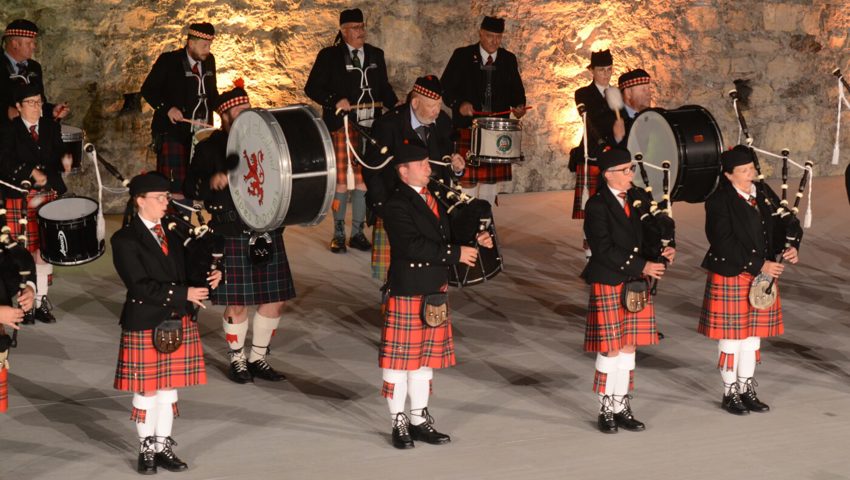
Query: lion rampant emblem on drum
(255, 176)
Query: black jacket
(621, 245)
(11, 264)
(8, 83)
(600, 123)
(463, 80)
(392, 130)
(421, 248)
(741, 237)
(211, 158)
(330, 82)
(20, 154)
(156, 283)
(171, 83)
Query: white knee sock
(264, 328)
(147, 428)
(42, 272)
(165, 400)
(394, 390)
(605, 376)
(419, 390)
(727, 362)
(625, 366)
(747, 360)
(234, 333)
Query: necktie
(355, 58)
(195, 69)
(424, 132)
(160, 235)
(22, 68)
(430, 201)
(625, 204)
(34, 133)
(750, 199)
(489, 59)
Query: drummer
(267, 285)
(181, 87)
(31, 149)
(350, 75)
(480, 79)
(19, 43)
(421, 119)
(636, 86)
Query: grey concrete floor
(518, 404)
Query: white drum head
(652, 136)
(67, 209)
(260, 184)
(71, 134)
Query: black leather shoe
(29, 318)
(238, 371)
(338, 245)
(261, 369)
(167, 459)
(147, 457)
(606, 422)
(401, 432)
(426, 432)
(359, 242)
(42, 313)
(625, 419)
(749, 398)
(733, 404)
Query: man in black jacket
(422, 250)
(419, 120)
(31, 149)
(268, 286)
(350, 77)
(181, 87)
(747, 239)
(636, 86)
(483, 77)
(623, 251)
(19, 43)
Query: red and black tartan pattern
(408, 344)
(141, 368)
(599, 381)
(610, 327)
(342, 158)
(15, 208)
(380, 251)
(4, 389)
(387, 389)
(758, 357)
(172, 160)
(727, 313)
(485, 172)
(631, 380)
(726, 362)
(138, 415)
(592, 185)
(247, 284)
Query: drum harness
(843, 86)
(202, 100)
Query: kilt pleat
(408, 344)
(610, 327)
(172, 160)
(342, 161)
(17, 208)
(380, 251)
(592, 179)
(141, 368)
(727, 313)
(247, 284)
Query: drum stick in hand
(197, 123)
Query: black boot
(749, 398)
(625, 419)
(401, 432)
(261, 369)
(338, 242)
(426, 432)
(238, 371)
(732, 402)
(147, 457)
(42, 313)
(605, 422)
(167, 459)
(358, 240)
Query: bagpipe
(657, 219)
(204, 248)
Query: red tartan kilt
(485, 172)
(727, 313)
(380, 251)
(408, 344)
(592, 185)
(610, 327)
(172, 160)
(141, 368)
(15, 208)
(342, 158)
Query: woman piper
(152, 360)
(746, 238)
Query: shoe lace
(46, 304)
(238, 360)
(750, 385)
(262, 364)
(627, 407)
(167, 443)
(402, 423)
(424, 413)
(734, 394)
(146, 447)
(607, 407)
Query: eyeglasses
(33, 103)
(624, 170)
(162, 197)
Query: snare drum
(689, 138)
(287, 167)
(73, 139)
(497, 140)
(67, 231)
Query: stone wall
(96, 51)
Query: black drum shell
(71, 241)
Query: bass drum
(687, 137)
(287, 168)
(467, 220)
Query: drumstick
(614, 98)
(504, 112)
(197, 122)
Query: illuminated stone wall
(96, 51)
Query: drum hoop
(497, 124)
(39, 216)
